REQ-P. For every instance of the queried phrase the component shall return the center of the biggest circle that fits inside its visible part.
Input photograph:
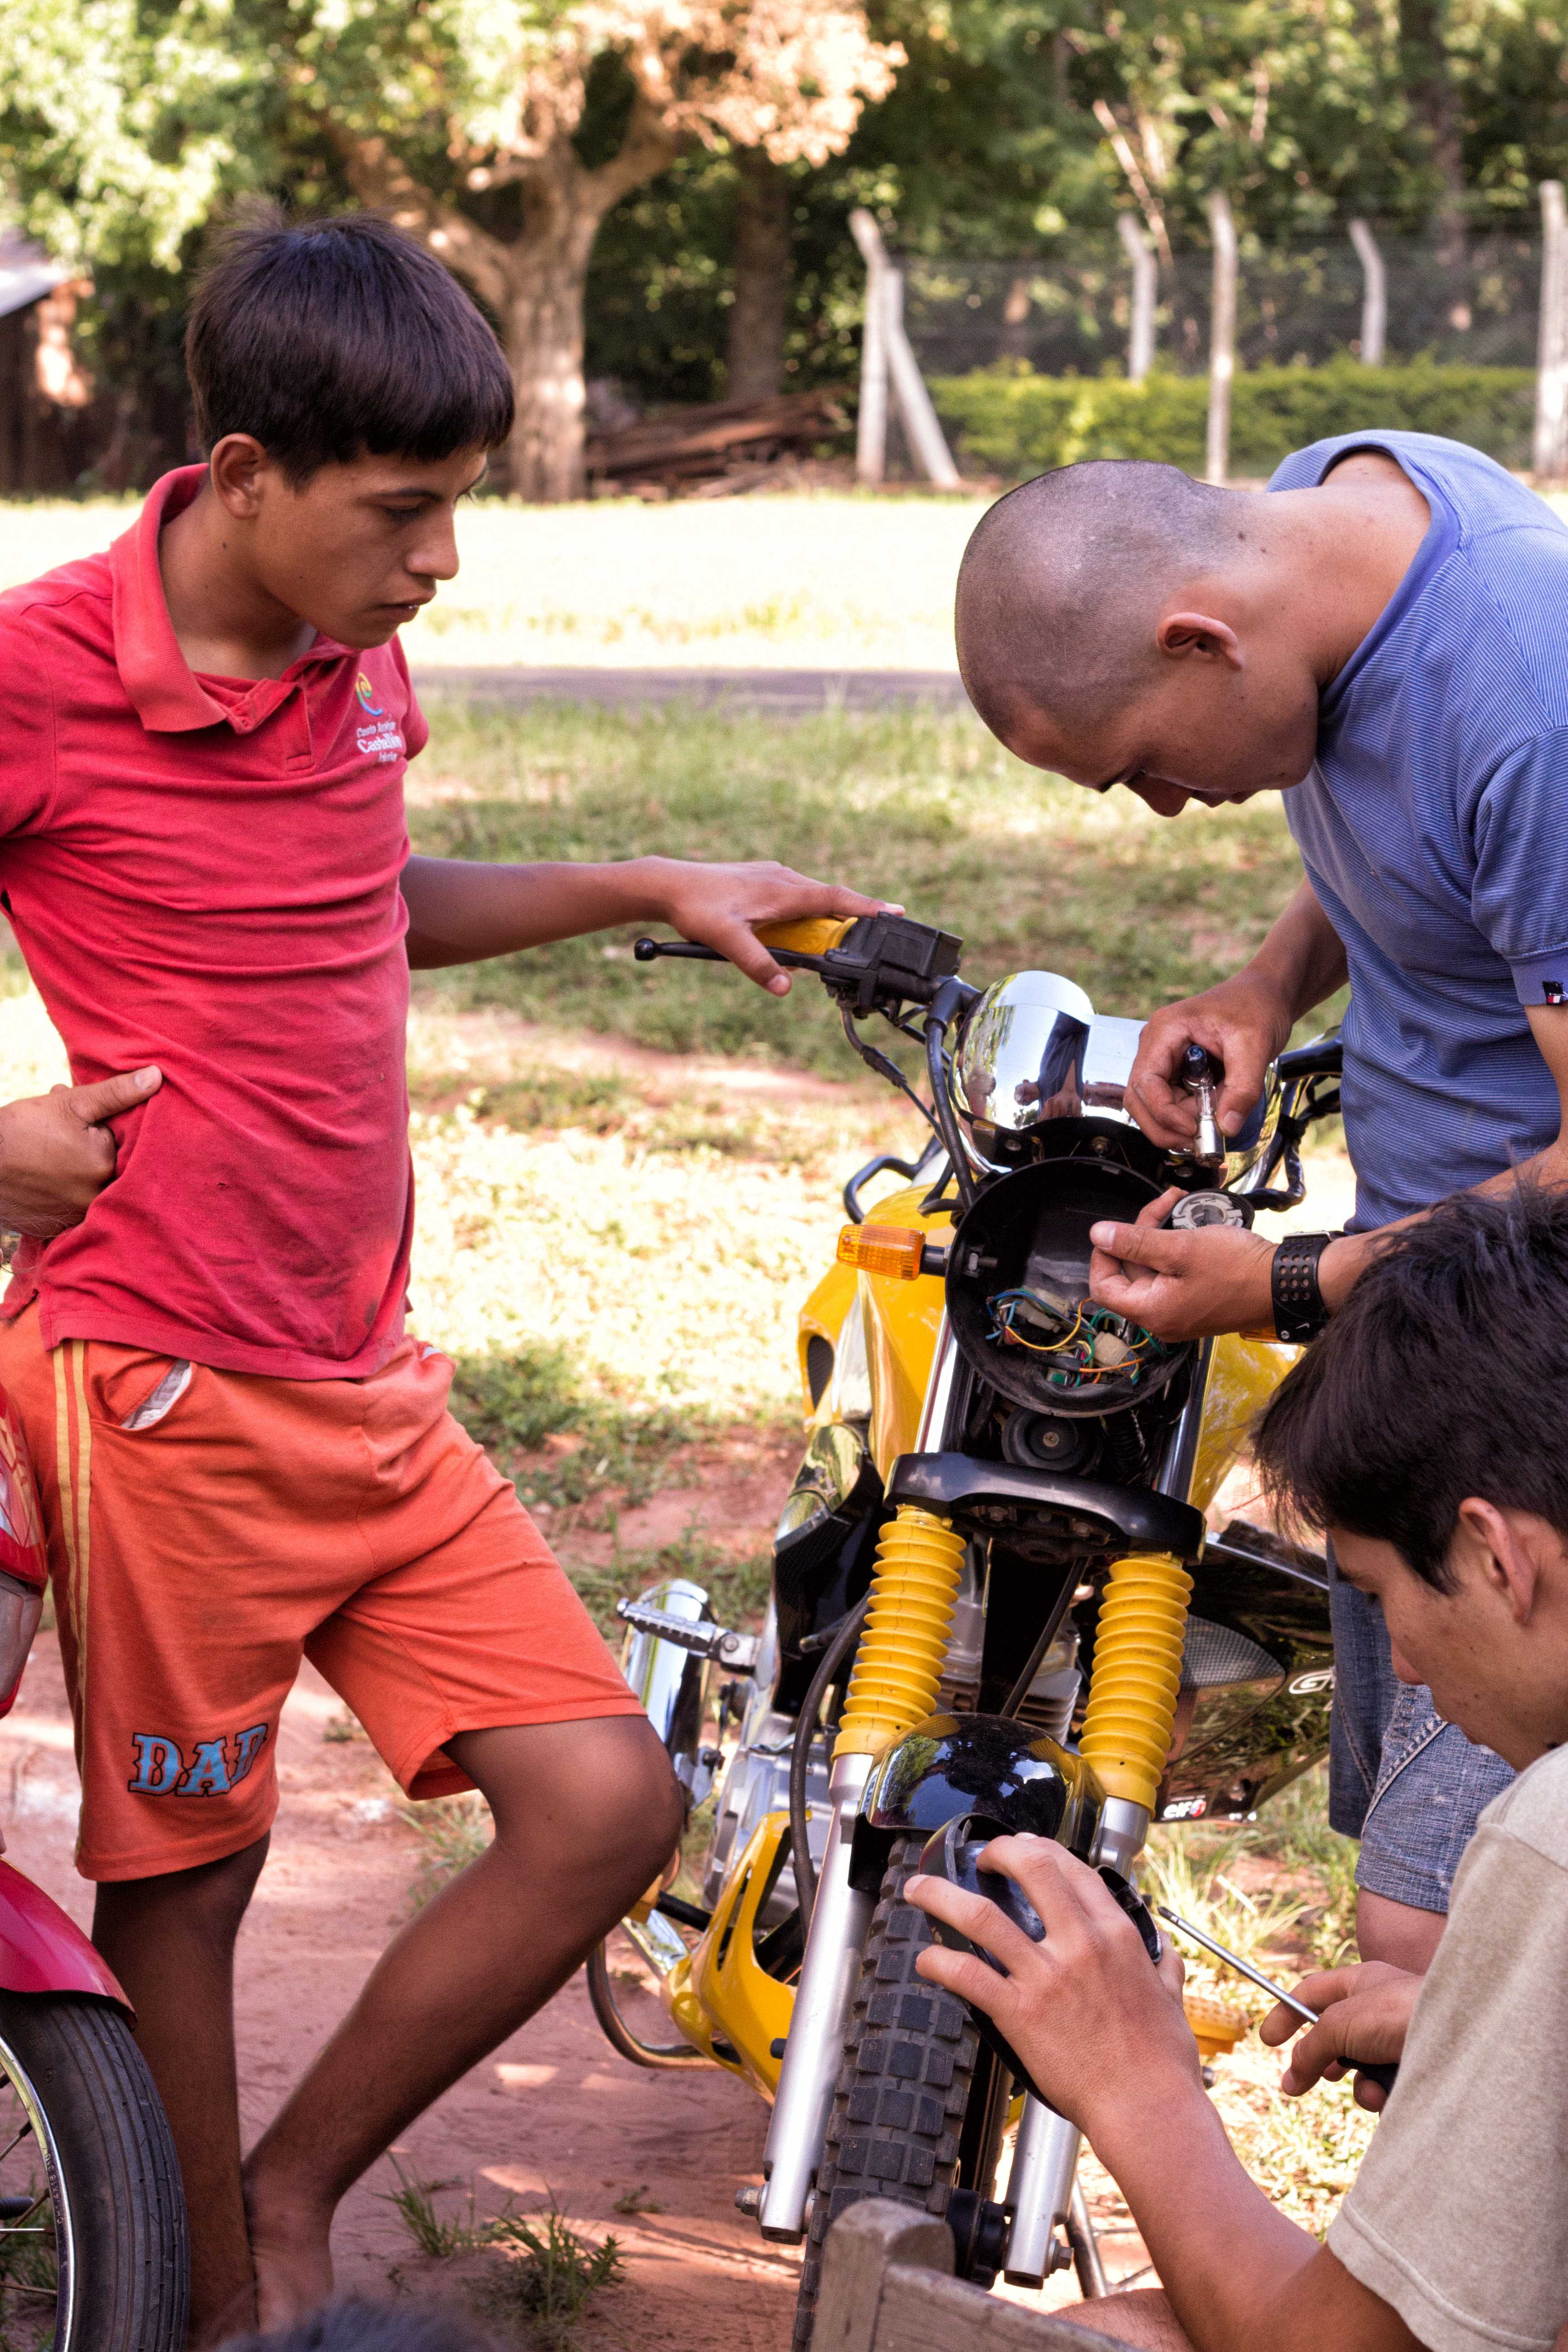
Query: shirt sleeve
(1459, 2217)
(1520, 894)
(26, 725)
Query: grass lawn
(922, 808)
(817, 581)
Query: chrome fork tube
(1124, 1826)
(840, 1921)
(1039, 2190)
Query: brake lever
(647, 950)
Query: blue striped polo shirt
(1434, 827)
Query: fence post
(1550, 453)
(871, 431)
(887, 342)
(1145, 269)
(1374, 295)
(1222, 333)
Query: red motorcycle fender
(42, 1950)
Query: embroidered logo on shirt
(1551, 990)
(382, 742)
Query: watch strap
(1299, 1312)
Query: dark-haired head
(331, 339)
(366, 2327)
(1441, 1379)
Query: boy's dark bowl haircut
(1444, 1375)
(332, 339)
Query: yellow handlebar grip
(813, 937)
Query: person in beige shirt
(1424, 1433)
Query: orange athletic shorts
(205, 1529)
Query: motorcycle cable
(1047, 1634)
(948, 1001)
(833, 1657)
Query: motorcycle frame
(718, 1995)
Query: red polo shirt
(203, 873)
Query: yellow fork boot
(1137, 1672)
(904, 1640)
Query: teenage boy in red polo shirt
(242, 1457)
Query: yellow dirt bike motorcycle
(997, 1605)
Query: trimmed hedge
(1015, 423)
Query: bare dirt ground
(553, 2115)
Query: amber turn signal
(894, 1250)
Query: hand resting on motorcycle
(461, 910)
(1103, 2035)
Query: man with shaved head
(1381, 636)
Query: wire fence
(1069, 311)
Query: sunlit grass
(926, 810)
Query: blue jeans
(1407, 1784)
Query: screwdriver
(1383, 2075)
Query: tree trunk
(542, 329)
(533, 283)
(754, 354)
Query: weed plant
(452, 1832)
(550, 2275)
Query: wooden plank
(921, 2311)
(711, 433)
(861, 2246)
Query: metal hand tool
(1382, 2075)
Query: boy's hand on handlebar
(1083, 2009)
(56, 1153)
(1241, 1023)
(1365, 2016)
(719, 906)
(1181, 1286)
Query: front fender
(989, 1765)
(42, 1950)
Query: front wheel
(913, 2089)
(93, 2254)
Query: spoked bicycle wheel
(93, 2254)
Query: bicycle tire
(112, 2180)
(910, 2062)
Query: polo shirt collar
(165, 691)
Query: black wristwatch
(1299, 1313)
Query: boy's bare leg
(587, 1814)
(170, 1941)
(1143, 2319)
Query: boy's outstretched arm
(1103, 2035)
(460, 910)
